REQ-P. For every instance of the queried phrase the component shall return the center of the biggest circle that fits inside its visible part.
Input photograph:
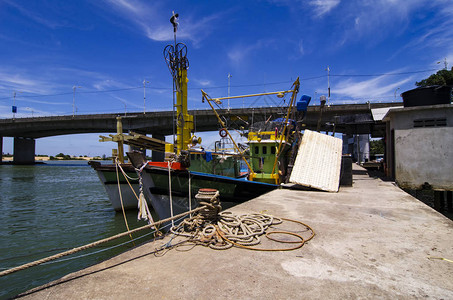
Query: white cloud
(155, 24)
(106, 84)
(203, 82)
(34, 16)
(239, 53)
(322, 7)
(15, 80)
(372, 88)
(126, 104)
(301, 47)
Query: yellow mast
(185, 125)
(176, 58)
(285, 132)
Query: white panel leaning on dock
(318, 162)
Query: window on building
(430, 123)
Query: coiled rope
(222, 230)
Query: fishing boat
(120, 179)
(122, 189)
(170, 185)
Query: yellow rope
(440, 258)
(127, 180)
(301, 242)
(121, 199)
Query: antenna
(229, 76)
(328, 86)
(144, 95)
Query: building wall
(424, 155)
(422, 142)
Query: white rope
(143, 209)
(125, 174)
(190, 196)
(169, 190)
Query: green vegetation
(62, 156)
(376, 147)
(442, 77)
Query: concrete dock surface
(372, 240)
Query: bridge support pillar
(158, 156)
(24, 151)
(1, 149)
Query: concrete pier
(372, 241)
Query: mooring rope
(121, 197)
(94, 244)
(170, 192)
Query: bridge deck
(162, 122)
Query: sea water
(50, 208)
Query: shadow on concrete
(374, 174)
(61, 281)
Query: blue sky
(375, 50)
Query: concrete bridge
(351, 118)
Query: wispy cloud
(202, 82)
(322, 7)
(301, 48)
(33, 15)
(126, 103)
(366, 89)
(105, 84)
(155, 25)
(239, 53)
(14, 80)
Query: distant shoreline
(47, 158)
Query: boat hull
(107, 176)
(182, 185)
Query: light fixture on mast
(144, 95)
(73, 99)
(229, 76)
(328, 86)
(395, 93)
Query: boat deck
(372, 241)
